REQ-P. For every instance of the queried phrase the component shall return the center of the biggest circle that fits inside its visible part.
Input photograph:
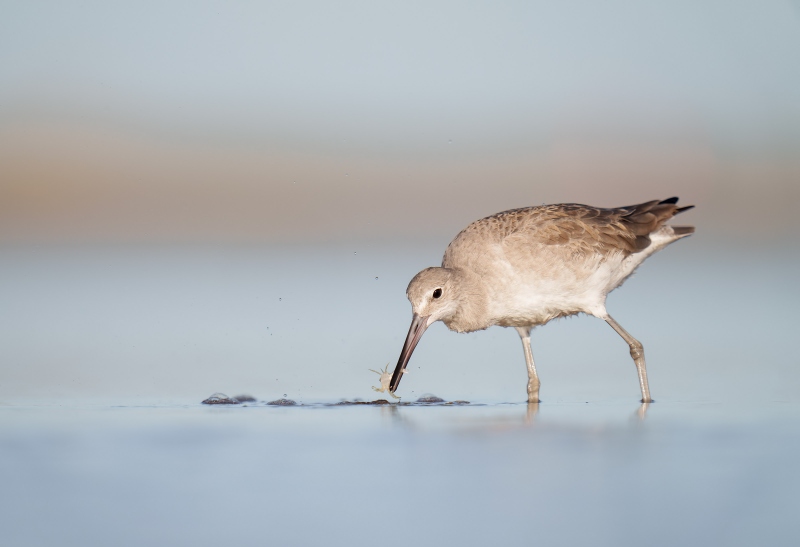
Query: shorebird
(525, 267)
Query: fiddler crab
(386, 378)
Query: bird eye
(437, 293)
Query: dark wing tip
(673, 201)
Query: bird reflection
(503, 417)
(641, 413)
(531, 412)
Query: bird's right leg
(533, 378)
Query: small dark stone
(428, 399)
(357, 402)
(245, 398)
(282, 402)
(221, 399)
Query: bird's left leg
(637, 352)
(533, 378)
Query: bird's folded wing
(585, 229)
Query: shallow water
(565, 474)
(180, 323)
(106, 354)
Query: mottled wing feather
(581, 228)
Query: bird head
(432, 298)
(431, 294)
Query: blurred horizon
(310, 123)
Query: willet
(524, 267)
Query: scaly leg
(637, 352)
(533, 378)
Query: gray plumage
(524, 267)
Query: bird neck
(471, 312)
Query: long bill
(418, 326)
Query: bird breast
(535, 287)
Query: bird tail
(680, 231)
(646, 219)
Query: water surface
(106, 353)
(565, 474)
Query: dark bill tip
(418, 326)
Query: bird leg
(533, 378)
(637, 352)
